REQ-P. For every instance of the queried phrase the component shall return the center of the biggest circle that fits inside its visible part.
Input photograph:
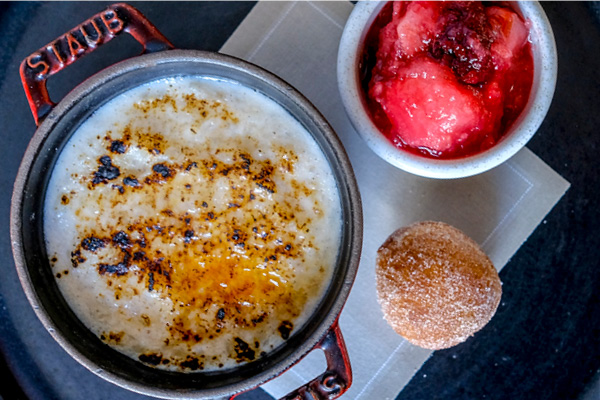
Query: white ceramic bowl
(544, 82)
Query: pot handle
(336, 379)
(79, 41)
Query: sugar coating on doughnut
(435, 285)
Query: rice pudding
(192, 224)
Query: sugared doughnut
(435, 285)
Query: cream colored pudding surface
(192, 224)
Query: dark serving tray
(544, 343)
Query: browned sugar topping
(213, 236)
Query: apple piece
(510, 35)
(429, 108)
(417, 27)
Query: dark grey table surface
(544, 342)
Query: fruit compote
(446, 79)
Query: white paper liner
(499, 209)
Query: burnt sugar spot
(188, 235)
(238, 236)
(287, 159)
(151, 358)
(112, 337)
(261, 318)
(192, 363)
(93, 243)
(285, 329)
(144, 138)
(150, 281)
(204, 109)
(119, 188)
(162, 169)
(77, 258)
(180, 331)
(106, 171)
(264, 178)
(191, 165)
(162, 173)
(156, 104)
(121, 239)
(243, 352)
(146, 320)
(119, 269)
(131, 181)
(246, 161)
(118, 146)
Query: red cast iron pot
(57, 122)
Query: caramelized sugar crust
(192, 224)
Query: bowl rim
(521, 131)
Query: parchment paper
(499, 209)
